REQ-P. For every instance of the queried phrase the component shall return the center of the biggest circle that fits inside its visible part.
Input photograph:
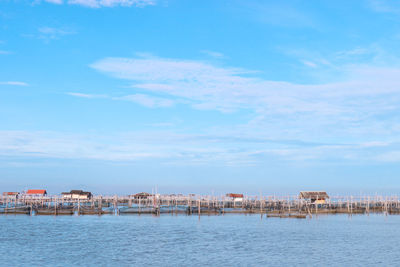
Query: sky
(122, 96)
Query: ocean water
(229, 240)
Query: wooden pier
(271, 206)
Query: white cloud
(147, 101)
(57, 2)
(51, 33)
(141, 99)
(363, 106)
(231, 88)
(213, 54)
(310, 64)
(86, 95)
(355, 51)
(172, 148)
(280, 14)
(14, 83)
(105, 3)
(185, 149)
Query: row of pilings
(270, 206)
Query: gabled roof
(36, 192)
(313, 194)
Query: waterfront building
(11, 194)
(235, 197)
(36, 192)
(317, 197)
(142, 195)
(77, 194)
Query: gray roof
(77, 192)
(313, 195)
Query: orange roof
(36, 192)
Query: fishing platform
(307, 203)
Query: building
(235, 197)
(317, 197)
(142, 195)
(11, 194)
(77, 194)
(36, 192)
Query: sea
(180, 240)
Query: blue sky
(119, 96)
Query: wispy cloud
(362, 104)
(82, 95)
(276, 13)
(147, 101)
(14, 83)
(51, 33)
(213, 54)
(310, 64)
(57, 2)
(231, 88)
(105, 3)
(186, 149)
(48, 34)
(141, 99)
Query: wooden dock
(271, 206)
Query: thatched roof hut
(78, 194)
(314, 196)
(142, 195)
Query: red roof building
(36, 192)
(232, 195)
(10, 194)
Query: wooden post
(176, 206)
(386, 207)
(223, 205)
(139, 205)
(351, 204)
(101, 204)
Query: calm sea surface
(167, 240)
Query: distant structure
(316, 197)
(11, 194)
(36, 192)
(77, 194)
(235, 197)
(141, 195)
